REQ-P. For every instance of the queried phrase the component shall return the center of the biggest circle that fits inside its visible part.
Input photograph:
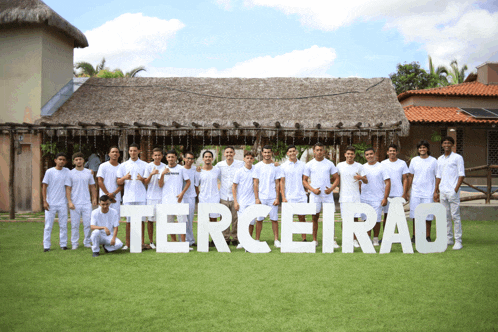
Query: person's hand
(127, 176)
(236, 206)
(180, 198)
(94, 201)
(71, 206)
(284, 200)
(316, 191)
(328, 191)
(165, 171)
(406, 196)
(139, 177)
(276, 201)
(111, 195)
(46, 206)
(154, 171)
(456, 190)
(384, 202)
(113, 241)
(276, 164)
(258, 201)
(357, 177)
(107, 231)
(436, 197)
(198, 169)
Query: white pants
(99, 237)
(85, 212)
(49, 223)
(189, 237)
(451, 201)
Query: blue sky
(269, 38)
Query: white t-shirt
(349, 187)
(79, 182)
(320, 172)
(173, 183)
(56, 190)
(153, 189)
(267, 174)
(109, 173)
(245, 186)
(208, 181)
(396, 171)
(449, 169)
(373, 191)
(424, 176)
(293, 174)
(227, 174)
(134, 190)
(109, 219)
(194, 178)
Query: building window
(459, 141)
(493, 149)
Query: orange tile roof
(428, 114)
(474, 89)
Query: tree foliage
(86, 69)
(457, 74)
(410, 76)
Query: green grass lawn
(238, 291)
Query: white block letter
(360, 229)
(396, 217)
(163, 227)
(249, 244)
(136, 212)
(290, 227)
(328, 228)
(421, 213)
(215, 229)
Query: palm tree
(100, 70)
(440, 73)
(457, 74)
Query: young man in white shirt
(375, 188)
(422, 180)
(243, 188)
(79, 185)
(320, 170)
(107, 177)
(398, 173)
(171, 182)
(154, 192)
(55, 201)
(449, 177)
(104, 225)
(190, 195)
(266, 189)
(291, 182)
(350, 174)
(228, 167)
(131, 174)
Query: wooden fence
(488, 195)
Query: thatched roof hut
(309, 104)
(36, 12)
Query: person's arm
(234, 193)
(387, 190)
(93, 192)
(107, 231)
(436, 190)
(461, 173)
(68, 196)
(307, 186)
(121, 181)
(114, 235)
(44, 195)
(336, 180)
(459, 183)
(149, 177)
(409, 181)
(277, 187)
(256, 190)
(282, 190)
(180, 197)
(405, 186)
(161, 179)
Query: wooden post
(12, 197)
(488, 191)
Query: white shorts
(356, 215)
(415, 201)
(385, 209)
(318, 200)
(242, 208)
(303, 199)
(211, 200)
(377, 207)
(153, 202)
(274, 209)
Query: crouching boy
(104, 225)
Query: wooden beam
(256, 124)
(158, 125)
(297, 125)
(339, 125)
(100, 124)
(121, 124)
(138, 124)
(379, 125)
(196, 125)
(216, 125)
(84, 124)
(358, 125)
(277, 125)
(236, 124)
(176, 124)
(318, 126)
(12, 166)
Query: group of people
(243, 184)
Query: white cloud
(128, 41)
(225, 4)
(446, 29)
(311, 62)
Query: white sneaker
(336, 246)
(315, 243)
(239, 246)
(450, 242)
(190, 248)
(86, 246)
(152, 245)
(277, 244)
(356, 244)
(74, 247)
(124, 248)
(457, 246)
(376, 241)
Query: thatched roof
(219, 102)
(19, 12)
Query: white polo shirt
(79, 182)
(266, 174)
(424, 176)
(227, 174)
(194, 178)
(109, 219)
(349, 187)
(449, 169)
(173, 184)
(109, 173)
(373, 191)
(396, 171)
(56, 190)
(293, 174)
(245, 186)
(153, 189)
(319, 172)
(134, 190)
(208, 181)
